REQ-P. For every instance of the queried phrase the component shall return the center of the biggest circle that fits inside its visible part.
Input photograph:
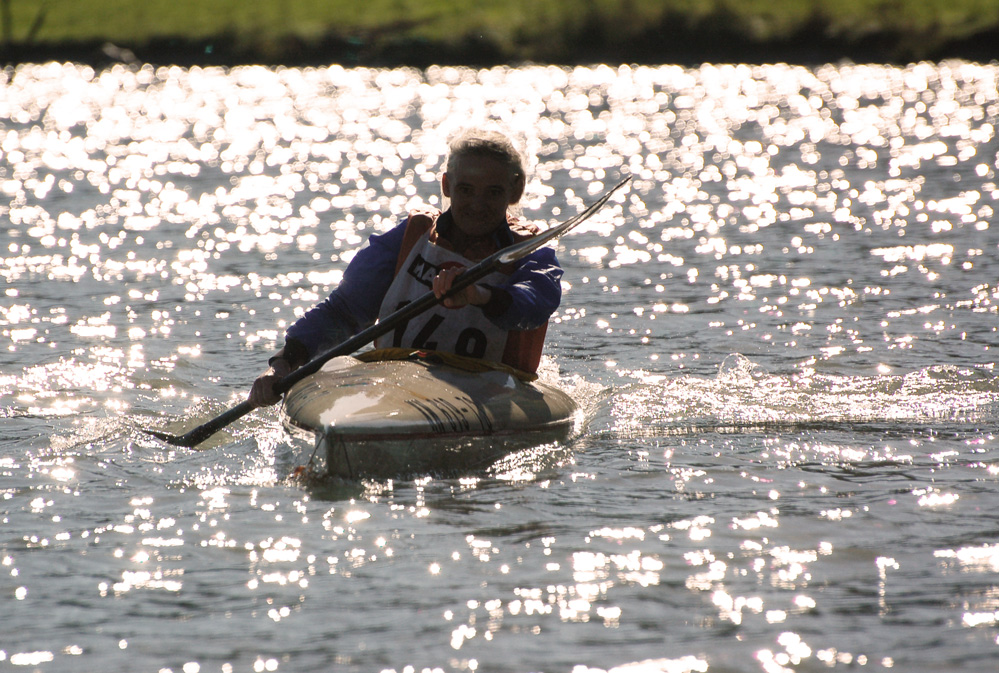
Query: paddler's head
(484, 177)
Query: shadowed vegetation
(419, 32)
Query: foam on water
(744, 396)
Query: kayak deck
(400, 417)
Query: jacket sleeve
(354, 304)
(527, 299)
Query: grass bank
(484, 32)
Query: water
(784, 336)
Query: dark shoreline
(809, 46)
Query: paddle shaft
(470, 276)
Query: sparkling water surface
(783, 335)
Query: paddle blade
(175, 440)
(203, 432)
(518, 250)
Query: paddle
(470, 276)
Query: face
(480, 189)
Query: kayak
(399, 412)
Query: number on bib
(471, 343)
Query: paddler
(503, 318)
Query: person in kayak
(503, 318)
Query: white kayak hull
(398, 418)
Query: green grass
(516, 28)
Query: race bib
(463, 331)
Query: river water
(784, 336)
